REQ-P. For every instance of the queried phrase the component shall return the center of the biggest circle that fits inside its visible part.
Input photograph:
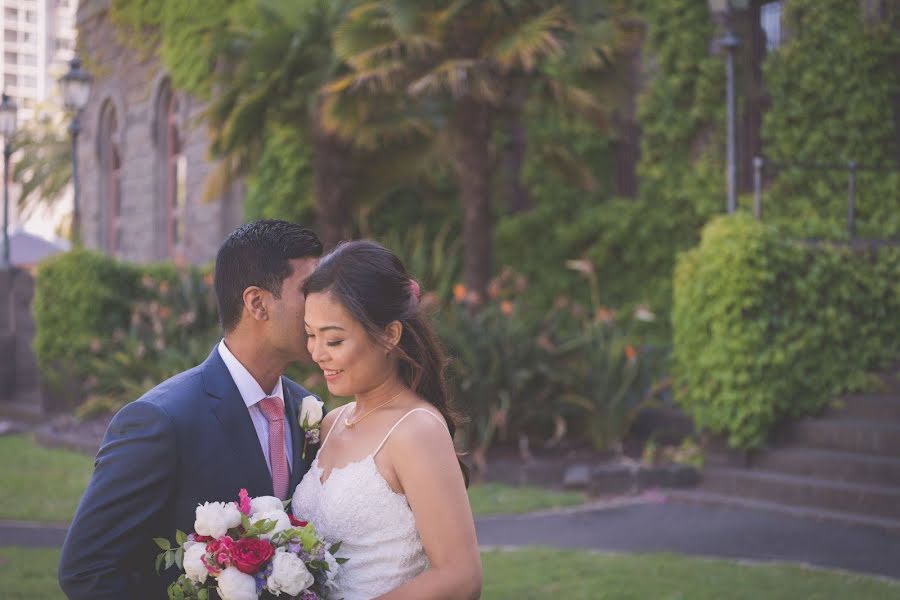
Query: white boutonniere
(310, 418)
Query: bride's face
(350, 359)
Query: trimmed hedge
(79, 295)
(766, 328)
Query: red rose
(297, 522)
(250, 555)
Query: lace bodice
(356, 506)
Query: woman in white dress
(386, 481)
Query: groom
(228, 423)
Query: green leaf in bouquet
(308, 537)
(180, 537)
(285, 504)
(163, 543)
(341, 561)
(179, 593)
(203, 594)
(170, 558)
(179, 558)
(335, 548)
(245, 521)
(159, 561)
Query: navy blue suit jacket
(187, 441)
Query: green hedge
(765, 327)
(79, 296)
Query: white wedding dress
(357, 507)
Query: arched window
(173, 170)
(110, 187)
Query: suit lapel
(231, 412)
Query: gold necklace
(351, 424)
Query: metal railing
(852, 168)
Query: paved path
(654, 527)
(703, 531)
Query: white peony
(194, 566)
(216, 518)
(332, 571)
(279, 516)
(310, 411)
(235, 585)
(289, 575)
(265, 504)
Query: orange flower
(506, 307)
(494, 289)
(163, 287)
(630, 353)
(604, 315)
(459, 292)
(208, 278)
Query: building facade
(143, 158)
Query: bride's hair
(375, 288)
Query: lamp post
(721, 10)
(7, 130)
(76, 89)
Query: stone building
(143, 158)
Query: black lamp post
(7, 130)
(721, 10)
(76, 89)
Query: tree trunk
(472, 161)
(518, 199)
(333, 163)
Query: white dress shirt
(252, 393)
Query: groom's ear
(254, 303)
(392, 334)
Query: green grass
(581, 575)
(28, 574)
(40, 484)
(494, 498)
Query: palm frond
(524, 46)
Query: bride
(386, 481)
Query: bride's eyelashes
(334, 343)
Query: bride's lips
(332, 374)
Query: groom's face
(285, 325)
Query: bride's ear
(392, 334)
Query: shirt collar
(246, 384)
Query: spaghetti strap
(333, 426)
(377, 450)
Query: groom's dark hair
(259, 254)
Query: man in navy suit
(226, 424)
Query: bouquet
(249, 549)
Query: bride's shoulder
(420, 427)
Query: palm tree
(43, 167)
(473, 63)
(276, 72)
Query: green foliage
(170, 331)
(834, 87)
(80, 296)
(43, 166)
(767, 328)
(281, 186)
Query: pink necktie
(273, 410)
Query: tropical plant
(466, 65)
(43, 165)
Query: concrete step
(704, 498)
(846, 435)
(830, 464)
(881, 501)
(876, 407)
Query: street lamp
(76, 89)
(7, 130)
(721, 10)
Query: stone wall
(131, 84)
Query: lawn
(40, 484)
(28, 574)
(48, 484)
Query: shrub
(80, 296)
(766, 327)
